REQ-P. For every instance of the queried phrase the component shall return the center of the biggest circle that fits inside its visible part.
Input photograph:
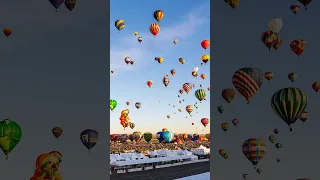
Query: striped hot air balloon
(119, 24)
(200, 94)
(189, 109)
(247, 81)
(254, 149)
(187, 87)
(228, 94)
(158, 15)
(289, 104)
(154, 29)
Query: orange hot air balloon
(7, 31)
(112, 71)
(181, 91)
(204, 121)
(208, 88)
(175, 41)
(168, 116)
(205, 44)
(149, 83)
(154, 29)
(57, 131)
(203, 76)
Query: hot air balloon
(173, 72)
(220, 109)
(187, 87)
(277, 43)
(89, 138)
(175, 41)
(204, 121)
(147, 136)
(189, 109)
(247, 81)
(127, 60)
(113, 137)
(168, 116)
(132, 62)
(140, 39)
(259, 170)
(70, 4)
(113, 104)
(154, 29)
(194, 73)
(278, 145)
(235, 122)
(295, 8)
(132, 125)
(165, 81)
(138, 105)
(127, 103)
(223, 153)
(278, 159)
(268, 76)
(160, 136)
(137, 136)
(268, 38)
(136, 33)
(181, 60)
(292, 77)
(228, 94)
(158, 15)
(160, 60)
(316, 86)
(149, 83)
(289, 103)
(304, 116)
(205, 44)
(305, 3)
(254, 149)
(181, 91)
(272, 139)
(7, 31)
(10, 135)
(276, 131)
(112, 71)
(200, 94)
(205, 58)
(168, 136)
(56, 3)
(224, 126)
(164, 129)
(275, 25)
(232, 3)
(203, 76)
(208, 136)
(298, 46)
(57, 131)
(119, 24)
(245, 176)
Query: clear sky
(189, 23)
(235, 44)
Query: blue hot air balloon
(89, 138)
(195, 137)
(190, 136)
(160, 136)
(168, 136)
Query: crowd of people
(119, 147)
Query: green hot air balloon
(289, 104)
(10, 135)
(200, 94)
(113, 104)
(147, 136)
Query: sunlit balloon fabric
(254, 149)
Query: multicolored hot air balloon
(181, 60)
(137, 136)
(158, 15)
(224, 126)
(228, 94)
(268, 76)
(205, 58)
(57, 131)
(165, 81)
(304, 116)
(292, 77)
(7, 31)
(140, 39)
(223, 153)
(10, 136)
(277, 43)
(268, 38)
(154, 29)
(298, 46)
(254, 149)
(175, 41)
(173, 72)
(119, 24)
(232, 3)
(295, 8)
(247, 81)
(204, 121)
(272, 139)
(138, 105)
(89, 138)
(187, 87)
(168, 136)
(200, 94)
(289, 104)
(189, 109)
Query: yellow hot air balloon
(119, 24)
(175, 41)
(136, 33)
(205, 58)
(158, 15)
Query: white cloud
(144, 54)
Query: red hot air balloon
(149, 83)
(154, 29)
(7, 31)
(204, 121)
(205, 44)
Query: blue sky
(239, 30)
(186, 22)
